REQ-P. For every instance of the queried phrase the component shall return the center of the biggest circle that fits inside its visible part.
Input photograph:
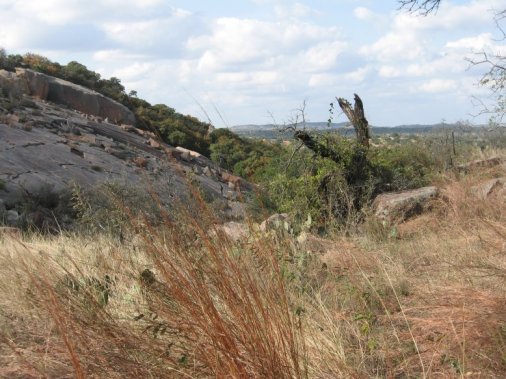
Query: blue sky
(255, 61)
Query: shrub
(401, 167)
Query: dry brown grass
(186, 305)
(182, 300)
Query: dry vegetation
(423, 299)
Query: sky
(258, 61)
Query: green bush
(401, 167)
(331, 194)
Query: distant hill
(272, 131)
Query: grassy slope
(428, 303)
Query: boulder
(74, 96)
(56, 157)
(400, 206)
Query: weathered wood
(356, 115)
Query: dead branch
(423, 7)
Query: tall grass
(181, 299)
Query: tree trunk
(357, 118)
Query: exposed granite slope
(59, 91)
(45, 145)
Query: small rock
(207, 171)
(76, 151)
(149, 134)
(127, 128)
(232, 195)
(192, 153)
(315, 245)
(185, 156)
(154, 143)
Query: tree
(495, 77)
(352, 158)
(78, 73)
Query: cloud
(396, 46)
(235, 43)
(297, 10)
(359, 75)
(438, 85)
(389, 72)
(363, 13)
(165, 36)
(281, 53)
(323, 56)
(478, 42)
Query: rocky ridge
(46, 143)
(59, 91)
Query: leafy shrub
(334, 190)
(401, 167)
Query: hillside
(172, 127)
(57, 136)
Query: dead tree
(356, 167)
(357, 118)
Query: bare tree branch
(296, 121)
(423, 7)
(495, 76)
(495, 61)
